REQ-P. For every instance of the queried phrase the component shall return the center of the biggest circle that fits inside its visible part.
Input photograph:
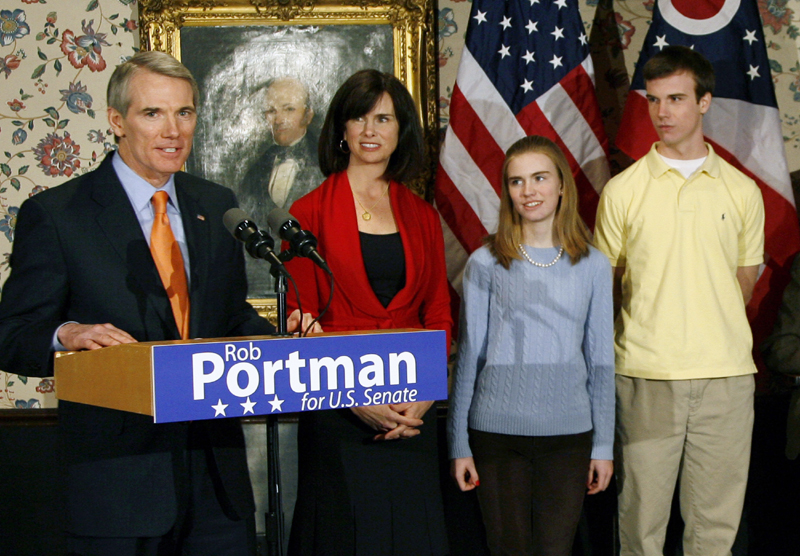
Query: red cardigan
(328, 213)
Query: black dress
(357, 497)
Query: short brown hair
(569, 229)
(677, 59)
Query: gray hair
(288, 79)
(118, 95)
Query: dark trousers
(202, 529)
(531, 490)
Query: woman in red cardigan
(368, 477)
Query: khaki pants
(700, 429)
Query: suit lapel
(119, 224)
(198, 239)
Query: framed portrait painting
(267, 70)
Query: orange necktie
(167, 255)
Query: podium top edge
(252, 338)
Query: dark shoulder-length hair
(355, 98)
(569, 229)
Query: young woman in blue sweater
(532, 407)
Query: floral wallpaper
(56, 57)
(55, 60)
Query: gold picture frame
(397, 34)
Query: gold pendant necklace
(366, 215)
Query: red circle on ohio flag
(695, 9)
(699, 17)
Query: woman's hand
(464, 472)
(414, 410)
(600, 472)
(384, 419)
(293, 322)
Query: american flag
(525, 70)
(743, 123)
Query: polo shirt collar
(658, 167)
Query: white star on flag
(661, 42)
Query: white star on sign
(527, 85)
(531, 26)
(528, 57)
(480, 17)
(661, 42)
(506, 23)
(276, 403)
(248, 406)
(556, 61)
(558, 33)
(505, 51)
(219, 408)
(753, 73)
(750, 37)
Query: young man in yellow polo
(684, 231)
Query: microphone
(257, 242)
(301, 242)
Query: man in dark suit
(287, 169)
(83, 277)
(782, 354)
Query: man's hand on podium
(74, 336)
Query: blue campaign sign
(262, 377)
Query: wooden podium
(260, 375)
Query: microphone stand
(274, 516)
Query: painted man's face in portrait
(287, 113)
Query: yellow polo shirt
(681, 242)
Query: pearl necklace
(540, 265)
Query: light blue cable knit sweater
(536, 350)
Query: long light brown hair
(569, 230)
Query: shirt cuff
(56, 345)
